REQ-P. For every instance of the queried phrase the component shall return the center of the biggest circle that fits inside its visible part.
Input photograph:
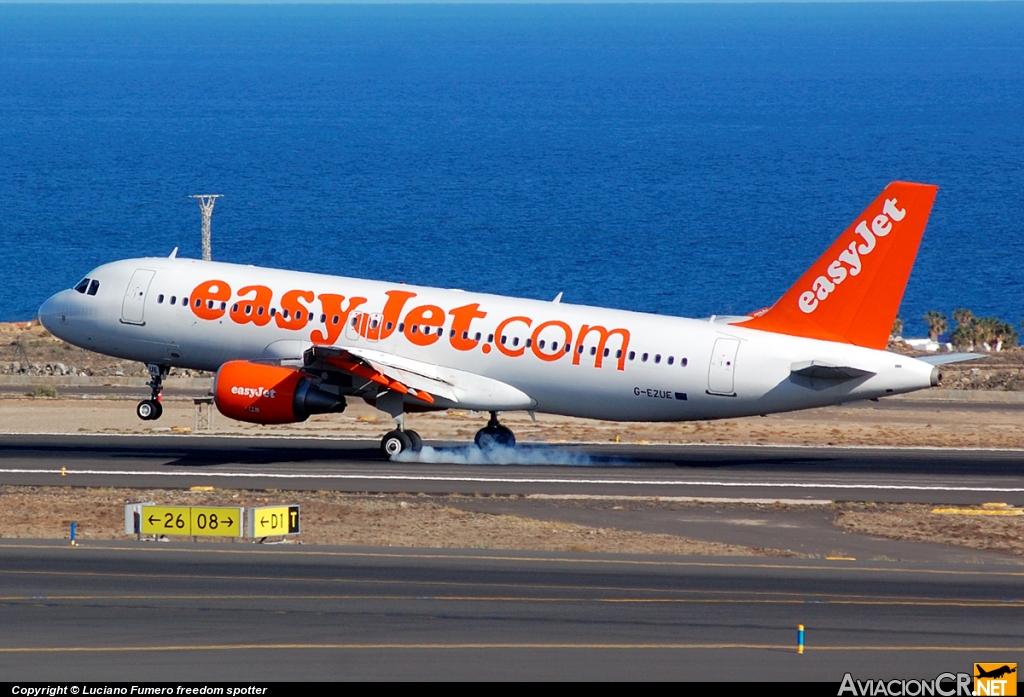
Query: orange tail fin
(853, 292)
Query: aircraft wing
(430, 383)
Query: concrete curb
(184, 383)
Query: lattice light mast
(206, 202)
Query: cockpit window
(82, 285)
(94, 286)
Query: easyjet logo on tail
(853, 291)
(851, 260)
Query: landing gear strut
(494, 435)
(151, 409)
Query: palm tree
(963, 316)
(937, 324)
(897, 328)
(1006, 336)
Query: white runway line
(522, 480)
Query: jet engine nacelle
(269, 394)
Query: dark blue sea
(681, 159)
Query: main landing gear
(151, 409)
(494, 435)
(400, 440)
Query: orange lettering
(255, 309)
(430, 315)
(557, 353)
(462, 317)
(498, 336)
(207, 297)
(388, 322)
(298, 315)
(604, 334)
(332, 309)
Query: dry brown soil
(340, 519)
(918, 523)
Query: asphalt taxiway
(147, 611)
(798, 473)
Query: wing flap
(424, 381)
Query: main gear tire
(394, 443)
(491, 437)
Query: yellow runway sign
(191, 520)
(273, 520)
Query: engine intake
(269, 394)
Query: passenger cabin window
(643, 358)
(682, 362)
(82, 285)
(160, 299)
(632, 355)
(671, 359)
(174, 299)
(657, 358)
(94, 286)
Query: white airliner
(286, 344)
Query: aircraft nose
(53, 313)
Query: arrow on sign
(230, 521)
(152, 521)
(263, 521)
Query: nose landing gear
(494, 435)
(151, 409)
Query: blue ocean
(680, 159)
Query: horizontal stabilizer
(944, 358)
(819, 370)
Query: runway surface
(146, 611)
(799, 473)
